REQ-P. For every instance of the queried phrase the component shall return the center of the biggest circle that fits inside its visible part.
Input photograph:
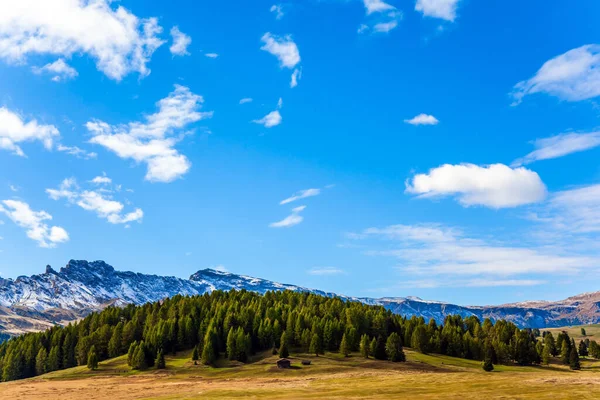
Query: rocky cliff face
(39, 301)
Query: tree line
(238, 324)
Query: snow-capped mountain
(39, 301)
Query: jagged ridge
(36, 302)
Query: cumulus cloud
(102, 204)
(433, 249)
(181, 41)
(282, 47)
(302, 194)
(14, 130)
(572, 76)
(60, 70)
(118, 40)
(76, 151)
(153, 141)
(291, 220)
(494, 186)
(422, 119)
(277, 9)
(270, 120)
(34, 223)
(383, 17)
(559, 146)
(443, 9)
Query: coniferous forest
(237, 324)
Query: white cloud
(220, 268)
(296, 76)
(60, 70)
(33, 222)
(181, 41)
(573, 211)
(320, 271)
(270, 120)
(153, 141)
(246, 100)
(443, 9)
(278, 10)
(14, 130)
(76, 151)
(282, 47)
(572, 76)
(481, 282)
(559, 146)
(377, 6)
(101, 180)
(422, 119)
(280, 103)
(13, 188)
(94, 201)
(385, 27)
(435, 249)
(118, 40)
(211, 55)
(302, 194)
(494, 186)
(291, 220)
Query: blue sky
(446, 149)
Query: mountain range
(32, 303)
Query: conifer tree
(131, 353)
(283, 348)
(315, 345)
(160, 360)
(583, 350)
(373, 347)
(487, 365)
(546, 355)
(53, 359)
(380, 353)
(116, 340)
(195, 355)
(550, 343)
(393, 348)
(574, 358)
(41, 361)
(565, 352)
(231, 340)
(364, 346)
(208, 351)
(92, 361)
(344, 347)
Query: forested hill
(238, 323)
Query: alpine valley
(58, 297)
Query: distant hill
(39, 301)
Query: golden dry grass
(329, 377)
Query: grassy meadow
(331, 376)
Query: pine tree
(574, 359)
(419, 339)
(364, 346)
(393, 348)
(283, 347)
(583, 333)
(131, 353)
(487, 365)
(92, 361)
(344, 347)
(116, 340)
(315, 345)
(160, 360)
(565, 352)
(139, 357)
(41, 362)
(379, 353)
(373, 347)
(208, 351)
(195, 355)
(583, 350)
(53, 359)
(546, 355)
(242, 345)
(231, 350)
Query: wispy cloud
(153, 141)
(270, 120)
(59, 69)
(422, 119)
(572, 76)
(14, 131)
(320, 271)
(302, 194)
(95, 201)
(181, 41)
(211, 55)
(559, 146)
(246, 100)
(277, 9)
(77, 152)
(494, 186)
(291, 220)
(33, 222)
